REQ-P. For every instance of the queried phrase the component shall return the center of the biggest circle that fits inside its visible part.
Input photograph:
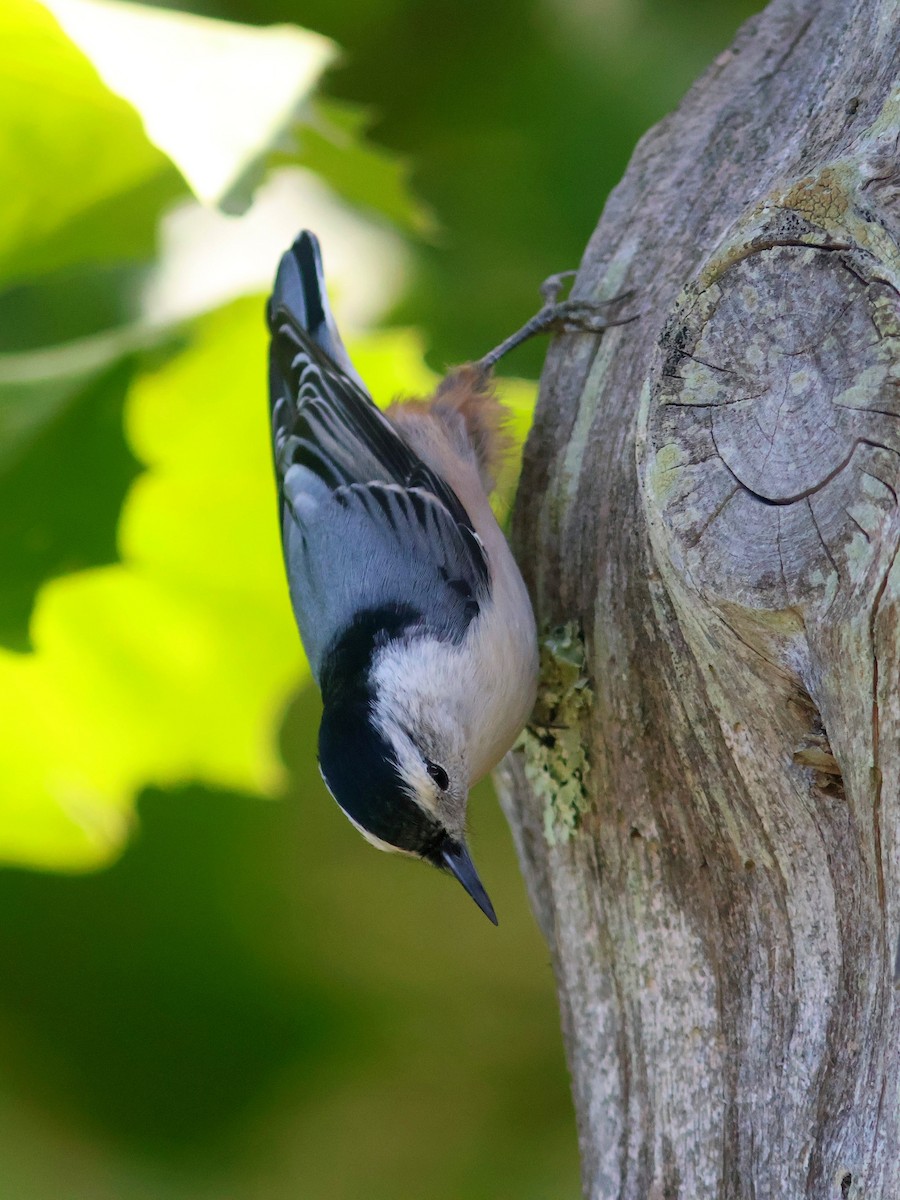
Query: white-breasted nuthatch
(412, 611)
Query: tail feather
(300, 290)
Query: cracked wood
(710, 498)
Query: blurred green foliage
(82, 183)
(332, 144)
(249, 1001)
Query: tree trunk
(707, 805)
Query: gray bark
(707, 803)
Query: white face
(416, 712)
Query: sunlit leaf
(174, 665)
(216, 96)
(81, 181)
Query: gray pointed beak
(458, 860)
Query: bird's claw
(554, 284)
(565, 316)
(586, 316)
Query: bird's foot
(561, 316)
(553, 286)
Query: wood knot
(773, 436)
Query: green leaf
(176, 664)
(68, 305)
(231, 92)
(64, 464)
(75, 453)
(83, 191)
(81, 183)
(331, 142)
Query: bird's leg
(560, 316)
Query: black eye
(438, 774)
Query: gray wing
(362, 548)
(365, 523)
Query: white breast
(491, 680)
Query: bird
(412, 611)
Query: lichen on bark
(554, 742)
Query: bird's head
(402, 782)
